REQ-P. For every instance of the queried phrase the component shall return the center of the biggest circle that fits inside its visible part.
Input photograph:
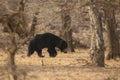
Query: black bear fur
(46, 40)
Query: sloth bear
(46, 40)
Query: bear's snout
(65, 51)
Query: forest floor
(71, 66)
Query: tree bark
(66, 31)
(97, 42)
(113, 42)
(11, 58)
(12, 67)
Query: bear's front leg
(52, 52)
(39, 52)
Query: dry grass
(73, 66)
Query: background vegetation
(90, 27)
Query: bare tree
(108, 8)
(16, 26)
(13, 22)
(111, 25)
(66, 30)
(97, 42)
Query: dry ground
(73, 66)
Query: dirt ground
(71, 66)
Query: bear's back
(46, 37)
(45, 40)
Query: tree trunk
(97, 42)
(11, 66)
(113, 42)
(11, 58)
(66, 31)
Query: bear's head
(63, 46)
